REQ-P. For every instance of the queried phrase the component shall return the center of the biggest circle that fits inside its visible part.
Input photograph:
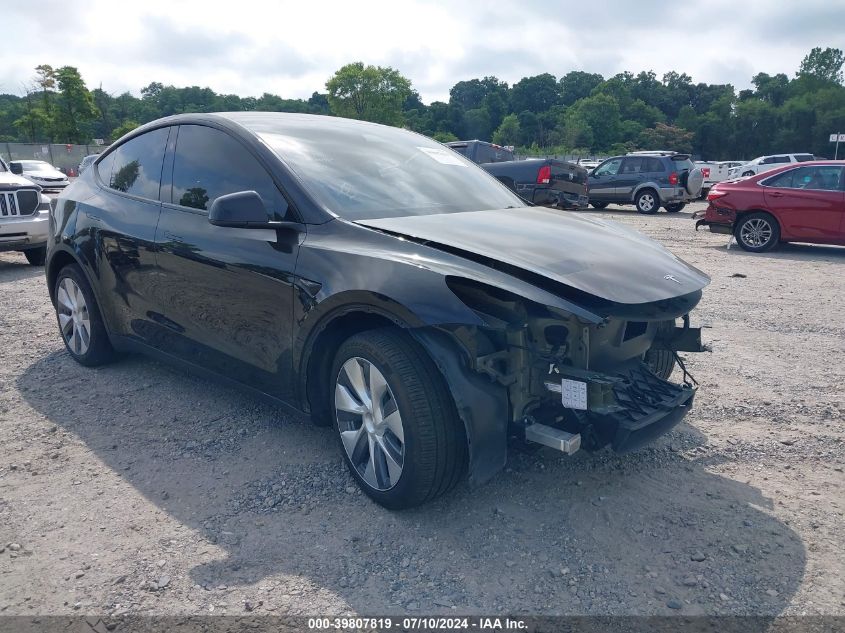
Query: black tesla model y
(379, 282)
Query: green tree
(576, 85)
(508, 133)
(123, 128)
(45, 79)
(535, 94)
(756, 124)
(33, 123)
(444, 137)
(476, 124)
(824, 64)
(772, 89)
(370, 93)
(601, 113)
(669, 137)
(75, 107)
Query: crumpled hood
(597, 256)
(8, 180)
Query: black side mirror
(243, 209)
(16, 168)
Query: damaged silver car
(378, 281)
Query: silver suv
(24, 213)
(647, 180)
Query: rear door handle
(172, 237)
(776, 194)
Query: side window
(632, 165)
(821, 178)
(610, 168)
(136, 165)
(768, 160)
(803, 158)
(781, 159)
(210, 163)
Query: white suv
(24, 216)
(765, 163)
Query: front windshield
(363, 171)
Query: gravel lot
(137, 488)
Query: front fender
(481, 404)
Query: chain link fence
(64, 157)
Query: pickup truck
(24, 216)
(542, 181)
(713, 172)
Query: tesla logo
(672, 278)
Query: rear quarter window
(652, 165)
(682, 163)
(803, 158)
(781, 180)
(104, 168)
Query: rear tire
(80, 322)
(757, 232)
(36, 256)
(598, 205)
(674, 208)
(647, 202)
(422, 453)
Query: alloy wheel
(756, 232)
(369, 423)
(74, 320)
(646, 202)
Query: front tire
(757, 232)
(80, 322)
(647, 202)
(398, 428)
(675, 207)
(36, 256)
(598, 205)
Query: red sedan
(802, 202)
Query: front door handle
(776, 194)
(172, 237)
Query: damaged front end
(571, 382)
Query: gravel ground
(135, 488)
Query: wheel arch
(741, 214)
(59, 260)
(643, 186)
(319, 349)
(481, 405)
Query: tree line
(580, 112)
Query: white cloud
(291, 48)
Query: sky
(291, 49)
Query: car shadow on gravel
(654, 532)
(684, 214)
(788, 252)
(13, 270)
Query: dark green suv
(647, 180)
